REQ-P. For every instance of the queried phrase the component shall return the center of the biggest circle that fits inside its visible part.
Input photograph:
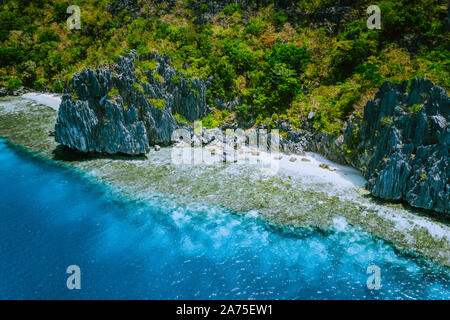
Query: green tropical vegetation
(278, 66)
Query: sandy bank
(51, 100)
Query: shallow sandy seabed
(299, 194)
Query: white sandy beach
(311, 164)
(51, 100)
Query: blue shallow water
(51, 217)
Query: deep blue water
(52, 217)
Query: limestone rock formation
(407, 137)
(127, 109)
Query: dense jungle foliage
(280, 59)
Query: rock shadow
(440, 217)
(66, 154)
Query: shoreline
(211, 227)
(291, 198)
(117, 194)
(53, 100)
(346, 174)
(335, 170)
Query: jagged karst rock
(206, 10)
(126, 110)
(406, 137)
(131, 6)
(183, 96)
(13, 92)
(329, 17)
(109, 128)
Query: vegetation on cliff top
(278, 64)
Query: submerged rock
(125, 110)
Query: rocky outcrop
(328, 17)
(132, 6)
(13, 92)
(205, 11)
(406, 138)
(183, 96)
(127, 109)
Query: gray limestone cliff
(127, 109)
(406, 138)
